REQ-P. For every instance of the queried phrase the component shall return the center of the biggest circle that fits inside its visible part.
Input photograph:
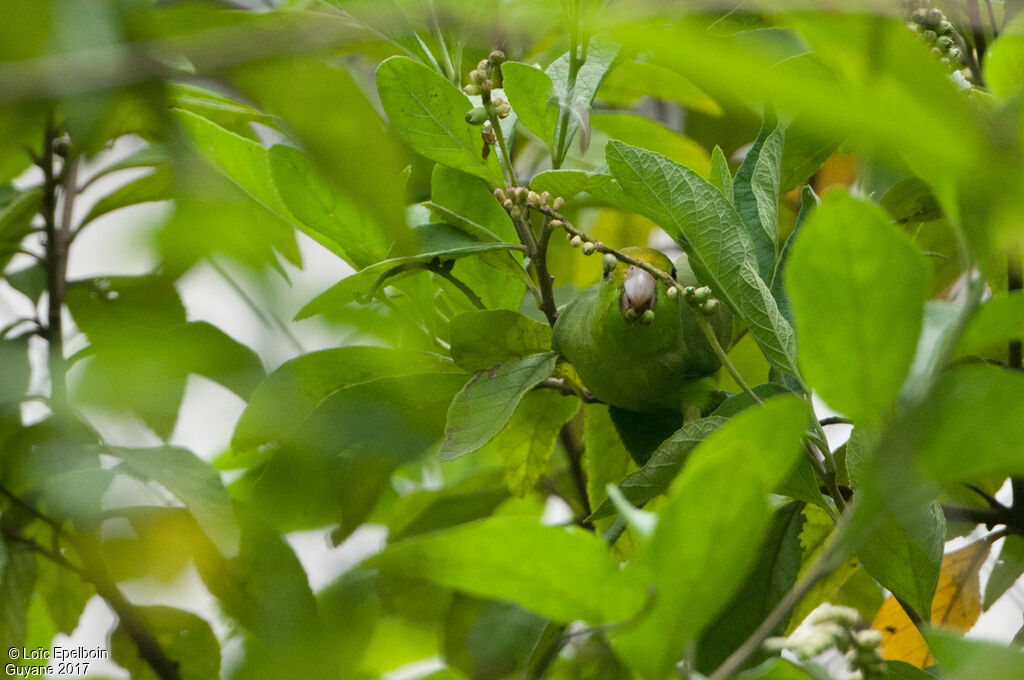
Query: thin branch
(574, 453)
(568, 389)
(51, 555)
(835, 420)
(445, 272)
(709, 333)
(545, 280)
(269, 319)
(986, 516)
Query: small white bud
(672, 291)
(588, 248)
(558, 203)
(576, 242)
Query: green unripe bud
(515, 211)
(484, 66)
(648, 316)
(496, 57)
(954, 55)
(689, 292)
(477, 76)
(631, 314)
(558, 203)
(929, 36)
(576, 242)
(588, 248)
(609, 263)
(936, 51)
(701, 295)
(944, 43)
(933, 18)
(709, 307)
(476, 116)
(919, 15)
(487, 85)
(944, 28)
(471, 89)
(502, 108)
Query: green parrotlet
(635, 347)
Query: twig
(51, 555)
(545, 280)
(574, 452)
(835, 420)
(709, 333)
(445, 272)
(566, 388)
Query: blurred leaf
(803, 154)
(1006, 571)
(996, 322)
(911, 200)
(756, 194)
(719, 173)
(1004, 64)
(742, 401)
(657, 475)
(964, 659)
(531, 93)
(815, 533)
(560, 573)
(605, 459)
(30, 281)
(767, 582)
(226, 112)
(699, 217)
(428, 112)
(648, 134)
(155, 186)
(323, 212)
(17, 581)
(940, 319)
(15, 367)
(858, 324)
(77, 495)
(336, 464)
(424, 511)
(957, 604)
(567, 183)
(17, 208)
(484, 338)
(783, 669)
(527, 441)
(481, 409)
(697, 529)
(631, 80)
(349, 608)
(901, 670)
(186, 639)
(487, 639)
(195, 483)
(300, 385)
(436, 242)
(63, 593)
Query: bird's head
(637, 289)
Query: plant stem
(562, 131)
(506, 160)
(709, 333)
(545, 280)
(55, 265)
(446, 274)
(574, 453)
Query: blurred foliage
(439, 150)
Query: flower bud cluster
(518, 200)
(699, 297)
(833, 626)
(933, 27)
(487, 75)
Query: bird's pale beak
(639, 293)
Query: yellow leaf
(957, 605)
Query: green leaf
(767, 582)
(645, 133)
(756, 194)
(17, 581)
(911, 200)
(195, 483)
(420, 512)
(742, 401)
(940, 319)
(428, 112)
(996, 322)
(531, 94)
(566, 183)
(323, 212)
(903, 552)
(699, 218)
(339, 459)
(1007, 570)
(186, 639)
(963, 659)
(743, 461)
(783, 669)
(436, 242)
(561, 573)
(293, 391)
(631, 80)
(901, 670)
(575, 102)
(605, 458)
(719, 174)
(804, 152)
(487, 639)
(484, 338)
(858, 323)
(488, 400)
(1004, 64)
(155, 186)
(527, 441)
(16, 212)
(808, 202)
(64, 595)
(465, 202)
(657, 475)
